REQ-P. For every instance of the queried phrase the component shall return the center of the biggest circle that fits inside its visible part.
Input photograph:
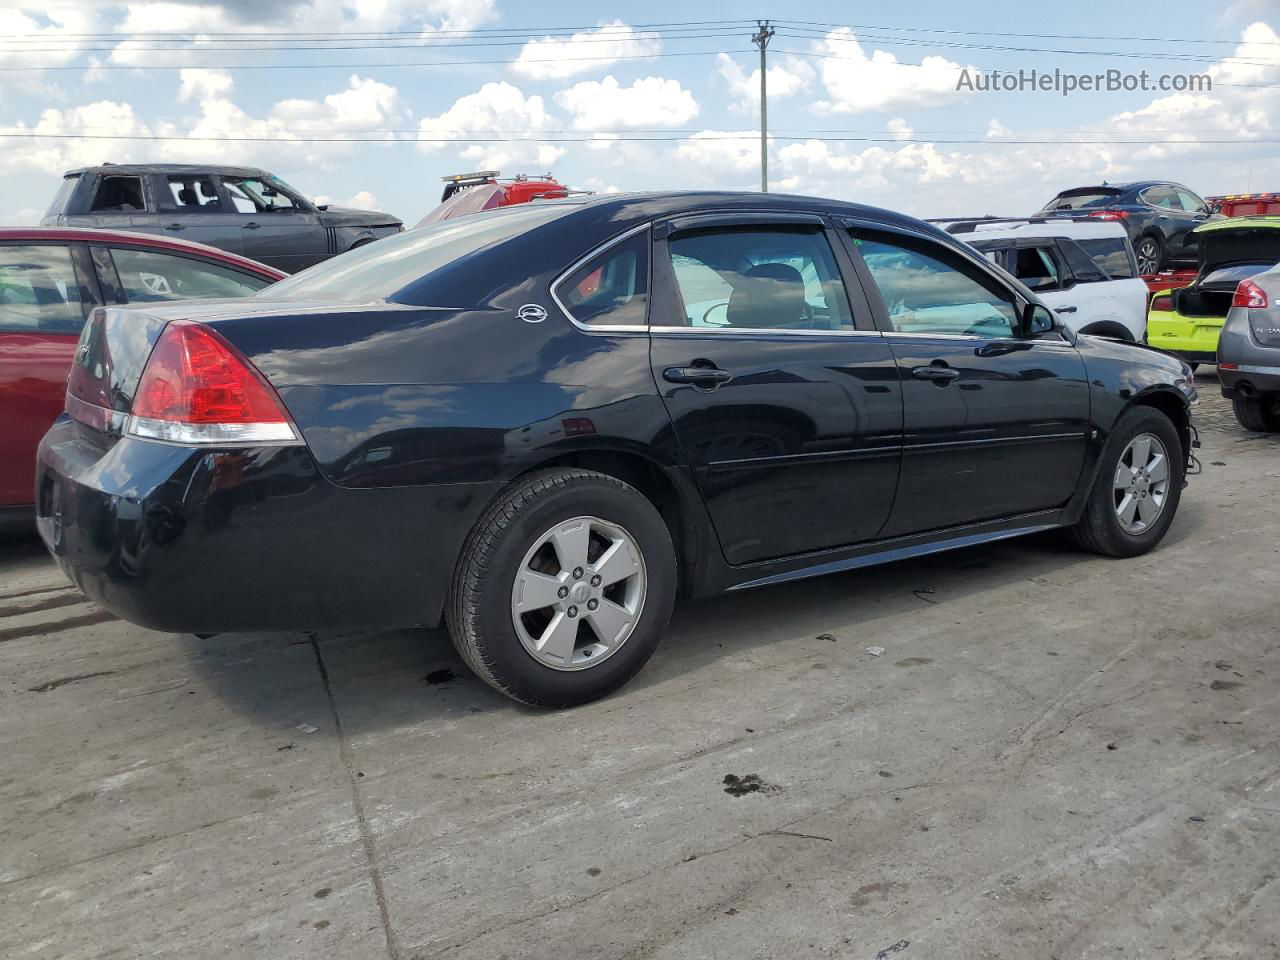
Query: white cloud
(559, 57)
(366, 104)
(649, 102)
(857, 83)
(363, 200)
(900, 129)
(495, 111)
(57, 148)
(198, 84)
(784, 79)
(55, 38)
(719, 150)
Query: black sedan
(1158, 215)
(545, 423)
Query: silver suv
(1249, 352)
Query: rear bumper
(1193, 338)
(1249, 379)
(198, 541)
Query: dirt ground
(1056, 756)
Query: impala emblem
(532, 313)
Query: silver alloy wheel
(1147, 254)
(1141, 485)
(578, 593)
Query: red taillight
(1108, 215)
(1249, 294)
(1162, 301)
(196, 388)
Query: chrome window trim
(765, 331)
(591, 255)
(976, 339)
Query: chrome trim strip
(973, 339)
(992, 441)
(591, 254)
(764, 331)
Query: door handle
(700, 376)
(173, 226)
(251, 226)
(939, 375)
(1064, 309)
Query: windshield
(378, 270)
(1081, 200)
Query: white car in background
(1085, 271)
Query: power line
(1036, 36)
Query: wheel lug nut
(573, 611)
(595, 581)
(562, 592)
(592, 604)
(577, 573)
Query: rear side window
(63, 196)
(118, 194)
(39, 290)
(759, 279)
(1037, 267)
(925, 291)
(1111, 254)
(1161, 197)
(146, 275)
(1081, 267)
(611, 289)
(190, 195)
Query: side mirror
(323, 207)
(1037, 320)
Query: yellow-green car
(1187, 321)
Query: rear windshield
(59, 204)
(1111, 254)
(378, 270)
(1081, 200)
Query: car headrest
(187, 197)
(206, 189)
(767, 295)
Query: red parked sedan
(50, 278)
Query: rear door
(46, 290)
(121, 201)
(784, 397)
(995, 423)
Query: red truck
(1245, 204)
(466, 193)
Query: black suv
(241, 209)
(1157, 214)
(545, 422)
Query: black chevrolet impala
(545, 423)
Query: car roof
(126, 238)
(187, 168)
(1076, 229)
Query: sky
(863, 101)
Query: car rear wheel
(1136, 492)
(1150, 253)
(1259, 414)
(564, 588)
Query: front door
(192, 209)
(995, 423)
(276, 227)
(784, 397)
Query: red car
(50, 278)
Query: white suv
(1085, 271)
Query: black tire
(1259, 414)
(1150, 247)
(1099, 529)
(478, 612)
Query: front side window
(926, 291)
(611, 289)
(249, 195)
(39, 290)
(759, 279)
(1037, 267)
(1111, 254)
(191, 195)
(1190, 202)
(119, 194)
(147, 275)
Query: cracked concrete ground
(1057, 756)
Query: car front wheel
(1136, 492)
(564, 588)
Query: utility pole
(764, 33)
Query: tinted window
(39, 290)
(257, 196)
(147, 275)
(1037, 267)
(59, 204)
(378, 270)
(1189, 201)
(611, 289)
(1082, 268)
(1160, 197)
(119, 194)
(1111, 254)
(1078, 201)
(191, 195)
(759, 279)
(925, 290)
